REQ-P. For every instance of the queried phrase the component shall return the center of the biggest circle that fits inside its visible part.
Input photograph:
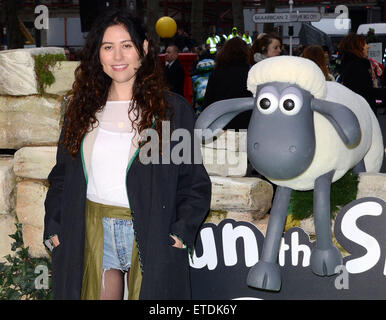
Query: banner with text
(225, 253)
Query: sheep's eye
(267, 102)
(290, 104)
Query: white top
(169, 64)
(110, 156)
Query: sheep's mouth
(281, 163)
(281, 175)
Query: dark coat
(175, 77)
(356, 75)
(164, 198)
(227, 83)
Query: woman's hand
(55, 241)
(178, 243)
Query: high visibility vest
(221, 39)
(248, 39)
(232, 36)
(212, 44)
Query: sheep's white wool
(303, 72)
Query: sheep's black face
(281, 137)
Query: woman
(107, 211)
(317, 55)
(229, 79)
(356, 69)
(266, 46)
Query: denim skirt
(117, 243)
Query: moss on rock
(43, 64)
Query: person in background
(233, 34)
(223, 37)
(296, 51)
(284, 51)
(219, 46)
(247, 38)
(326, 52)
(212, 41)
(229, 79)
(100, 190)
(181, 40)
(202, 53)
(356, 71)
(192, 43)
(174, 72)
(259, 36)
(200, 75)
(377, 70)
(330, 67)
(317, 55)
(266, 46)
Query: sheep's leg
(325, 257)
(266, 273)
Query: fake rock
(7, 227)
(35, 162)
(30, 203)
(372, 185)
(241, 194)
(17, 70)
(7, 185)
(30, 120)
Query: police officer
(212, 42)
(221, 36)
(233, 34)
(247, 38)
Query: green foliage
(371, 37)
(43, 63)
(17, 274)
(343, 191)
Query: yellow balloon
(166, 27)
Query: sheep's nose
(292, 149)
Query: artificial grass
(343, 191)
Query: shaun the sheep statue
(304, 133)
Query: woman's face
(366, 50)
(274, 48)
(119, 56)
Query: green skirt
(93, 251)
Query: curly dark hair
(91, 87)
(234, 50)
(353, 43)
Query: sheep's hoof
(265, 275)
(324, 262)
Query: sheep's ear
(342, 118)
(217, 115)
